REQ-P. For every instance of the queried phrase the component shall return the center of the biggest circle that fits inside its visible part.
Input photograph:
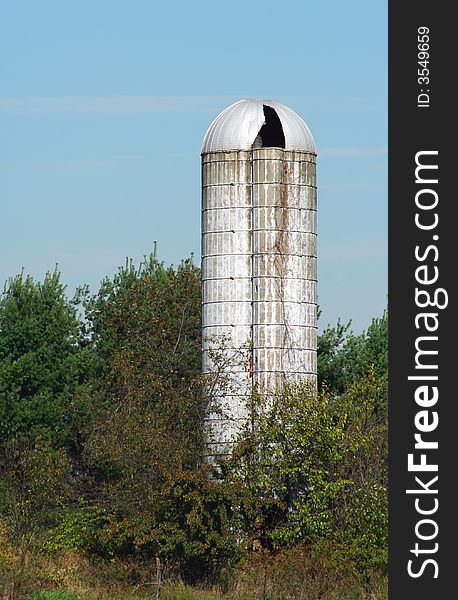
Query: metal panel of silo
(284, 267)
(226, 291)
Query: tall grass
(58, 595)
(289, 575)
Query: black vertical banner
(423, 390)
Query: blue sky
(104, 104)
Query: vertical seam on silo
(280, 258)
(253, 284)
(202, 256)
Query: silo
(259, 271)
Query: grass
(295, 574)
(182, 592)
(57, 595)
(175, 593)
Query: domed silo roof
(260, 123)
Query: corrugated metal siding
(284, 267)
(258, 277)
(226, 291)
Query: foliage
(7, 554)
(35, 486)
(190, 522)
(296, 444)
(101, 446)
(146, 328)
(344, 358)
(362, 520)
(43, 359)
(145, 443)
(147, 321)
(330, 360)
(319, 572)
(297, 573)
(74, 530)
(322, 461)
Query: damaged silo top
(258, 123)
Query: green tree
(35, 486)
(320, 465)
(191, 521)
(291, 458)
(146, 324)
(149, 421)
(44, 358)
(330, 360)
(344, 358)
(361, 514)
(150, 313)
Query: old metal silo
(259, 317)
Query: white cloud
(110, 105)
(50, 166)
(141, 105)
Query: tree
(146, 324)
(330, 358)
(146, 327)
(35, 485)
(344, 358)
(291, 459)
(43, 360)
(191, 521)
(322, 462)
(101, 433)
(361, 514)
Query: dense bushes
(101, 405)
(322, 462)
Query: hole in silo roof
(271, 133)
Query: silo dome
(252, 123)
